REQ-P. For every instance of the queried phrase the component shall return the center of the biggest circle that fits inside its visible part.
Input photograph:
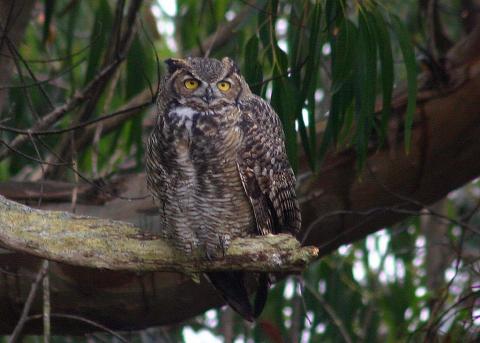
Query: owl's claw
(209, 255)
(224, 243)
(213, 251)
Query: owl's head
(205, 83)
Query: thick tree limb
(103, 243)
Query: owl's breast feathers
(238, 146)
(192, 171)
(222, 175)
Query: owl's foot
(217, 249)
(186, 247)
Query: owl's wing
(264, 169)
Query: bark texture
(114, 245)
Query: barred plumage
(217, 167)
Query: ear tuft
(231, 64)
(174, 64)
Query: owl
(217, 169)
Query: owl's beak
(208, 96)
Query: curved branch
(103, 243)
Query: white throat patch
(185, 114)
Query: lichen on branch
(115, 245)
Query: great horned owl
(217, 167)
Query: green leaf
(49, 9)
(334, 12)
(309, 83)
(296, 38)
(283, 100)
(364, 86)
(341, 101)
(252, 69)
(98, 37)
(71, 23)
(266, 28)
(408, 53)
(346, 129)
(387, 71)
(312, 130)
(343, 48)
(137, 68)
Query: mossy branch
(103, 243)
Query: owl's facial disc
(205, 95)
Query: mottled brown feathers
(217, 167)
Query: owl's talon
(213, 251)
(209, 256)
(224, 241)
(212, 254)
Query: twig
(46, 306)
(15, 51)
(28, 303)
(301, 282)
(74, 169)
(41, 166)
(42, 82)
(289, 72)
(56, 114)
(18, 152)
(83, 320)
(223, 34)
(90, 91)
(78, 126)
(420, 204)
(331, 313)
(73, 206)
(54, 59)
(376, 211)
(273, 15)
(123, 35)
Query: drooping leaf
(387, 71)
(343, 49)
(252, 69)
(410, 64)
(98, 37)
(364, 87)
(49, 9)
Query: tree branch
(224, 32)
(28, 304)
(103, 243)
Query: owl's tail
(231, 286)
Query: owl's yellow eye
(191, 84)
(224, 86)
